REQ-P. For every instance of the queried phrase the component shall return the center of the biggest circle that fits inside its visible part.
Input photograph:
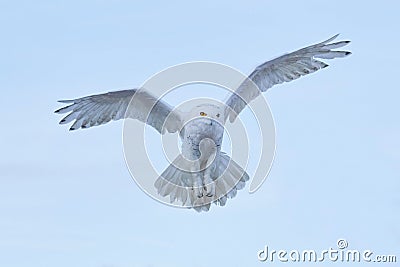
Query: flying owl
(202, 174)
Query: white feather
(99, 109)
(285, 68)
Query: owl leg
(209, 184)
(197, 181)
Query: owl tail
(227, 177)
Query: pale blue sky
(66, 199)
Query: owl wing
(137, 104)
(285, 68)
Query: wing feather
(282, 69)
(137, 104)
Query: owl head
(211, 111)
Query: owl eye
(203, 114)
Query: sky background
(67, 199)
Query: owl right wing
(137, 104)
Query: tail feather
(228, 178)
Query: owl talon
(210, 189)
(198, 190)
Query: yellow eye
(203, 114)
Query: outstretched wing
(285, 68)
(99, 109)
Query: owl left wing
(285, 68)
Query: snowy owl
(202, 174)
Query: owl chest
(198, 130)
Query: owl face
(208, 111)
